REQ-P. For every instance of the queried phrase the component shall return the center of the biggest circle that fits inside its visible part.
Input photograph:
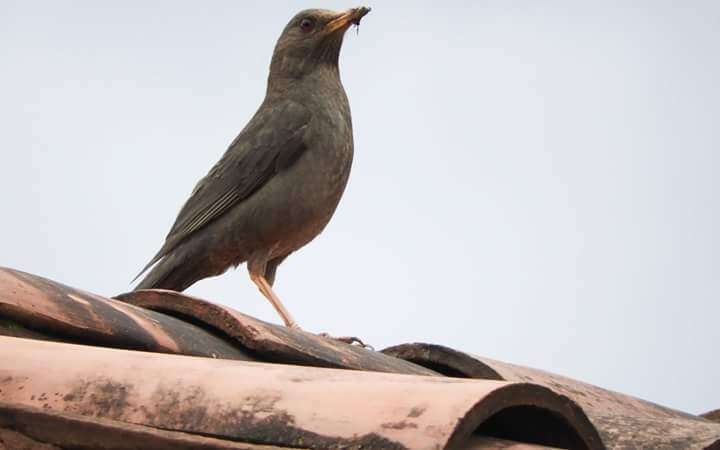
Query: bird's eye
(307, 25)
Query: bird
(280, 180)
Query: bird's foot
(350, 340)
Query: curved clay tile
(274, 404)
(43, 429)
(623, 421)
(267, 341)
(32, 306)
(35, 307)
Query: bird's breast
(308, 191)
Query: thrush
(279, 182)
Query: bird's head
(311, 40)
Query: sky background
(536, 183)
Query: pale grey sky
(533, 181)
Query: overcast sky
(533, 181)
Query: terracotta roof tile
(280, 404)
(38, 307)
(270, 387)
(622, 420)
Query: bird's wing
(271, 141)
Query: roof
(160, 369)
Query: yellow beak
(344, 20)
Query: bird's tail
(154, 259)
(163, 260)
(171, 272)
(154, 279)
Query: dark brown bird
(279, 182)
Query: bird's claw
(350, 340)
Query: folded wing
(271, 141)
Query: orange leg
(269, 294)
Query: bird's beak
(347, 18)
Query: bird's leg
(269, 294)
(259, 273)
